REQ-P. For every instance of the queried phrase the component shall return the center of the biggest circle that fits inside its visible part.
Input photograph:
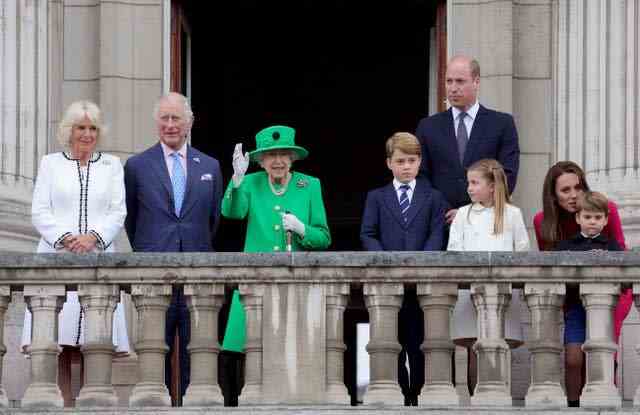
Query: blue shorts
(575, 324)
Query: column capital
(98, 290)
(50, 290)
(380, 288)
(437, 288)
(150, 290)
(600, 288)
(256, 290)
(203, 290)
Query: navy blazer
(383, 228)
(493, 136)
(151, 223)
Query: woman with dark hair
(564, 183)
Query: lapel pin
(301, 183)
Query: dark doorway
(345, 75)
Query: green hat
(277, 137)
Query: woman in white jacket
(79, 206)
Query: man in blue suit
(405, 215)
(173, 195)
(448, 150)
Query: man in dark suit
(405, 215)
(173, 195)
(448, 150)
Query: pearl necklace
(283, 189)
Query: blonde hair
(594, 202)
(405, 142)
(492, 171)
(73, 115)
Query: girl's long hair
(553, 214)
(492, 171)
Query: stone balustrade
(295, 307)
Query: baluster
(44, 302)
(151, 303)
(383, 302)
(337, 296)
(252, 299)
(98, 304)
(204, 301)
(545, 301)
(599, 300)
(491, 302)
(437, 301)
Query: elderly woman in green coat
(284, 208)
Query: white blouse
(472, 230)
(70, 200)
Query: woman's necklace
(283, 188)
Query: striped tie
(404, 201)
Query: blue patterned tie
(178, 180)
(404, 201)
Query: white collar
(471, 112)
(397, 184)
(589, 237)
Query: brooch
(301, 183)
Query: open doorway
(344, 74)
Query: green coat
(255, 200)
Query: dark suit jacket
(151, 223)
(383, 228)
(580, 243)
(493, 136)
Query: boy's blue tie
(178, 180)
(404, 201)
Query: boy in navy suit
(405, 215)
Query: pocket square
(206, 176)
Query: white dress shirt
(412, 187)
(468, 120)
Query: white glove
(291, 223)
(240, 164)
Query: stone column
(25, 73)
(204, 301)
(598, 83)
(437, 301)
(98, 304)
(252, 298)
(599, 299)
(383, 302)
(45, 302)
(5, 298)
(636, 299)
(544, 301)
(491, 302)
(151, 302)
(337, 296)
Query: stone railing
(295, 305)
